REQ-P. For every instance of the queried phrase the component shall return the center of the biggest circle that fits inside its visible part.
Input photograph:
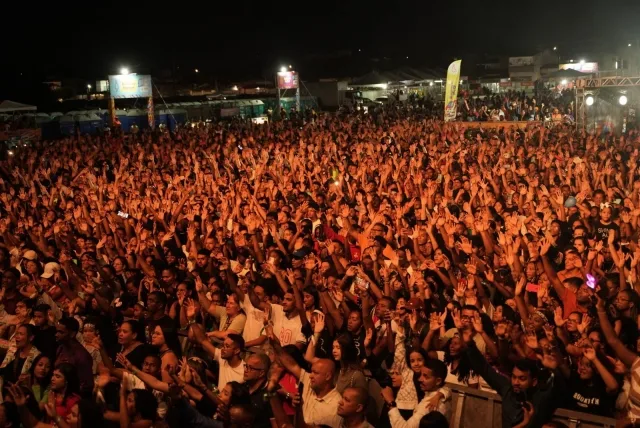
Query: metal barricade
(473, 408)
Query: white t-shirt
(288, 330)
(227, 373)
(255, 320)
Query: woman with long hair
(64, 389)
(40, 378)
(165, 339)
(350, 373)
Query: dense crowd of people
(344, 272)
(553, 108)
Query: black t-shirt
(590, 396)
(601, 230)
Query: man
(11, 295)
(437, 396)
(319, 396)
(71, 351)
(352, 408)
(45, 334)
(523, 386)
(256, 368)
(287, 324)
(156, 312)
(231, 366)
(470, 319)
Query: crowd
(553, 108)
(344, 272)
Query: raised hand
(319, 322)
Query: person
(256, 370)
(230, 318)
(83, 414)
(352, 408)
(523, 385)
(437, 396)
(130, 338)
(71, 352)
(40, 378)
(18, 361)
(165, 340)
(319, 395)
(156, 313)
(380, 222)
(231, 367)
(65, 389)
(45, 333)
(138, 407)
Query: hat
(570, 202)
(50, 269)
(30, 255)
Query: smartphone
(271, 261)
(123, 214)
(230, 225)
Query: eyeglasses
(251, 368)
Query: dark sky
(240, 39)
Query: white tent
(11, 106)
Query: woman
(231, 318)
(138, 408)
(89, 334)
(346, 355)
(18, 360)
(130, 336)
(459, 368)
(165, 339)
(40, 378)
(592, 387)
(64, 389)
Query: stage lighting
(564, 81)
(623, 100)
(590, 100)
(283, 69)
(124, 70)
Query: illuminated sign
(287, 80)
(130, 86)
(583, 67)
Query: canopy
(568, 74)
(9, 106)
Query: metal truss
(587, 86)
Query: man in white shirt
(287, 325)
(320, 398)
(228, 358)
(437, 396)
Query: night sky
(249, 39)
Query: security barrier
(473, 408)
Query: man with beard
(525, 389)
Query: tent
(11, 106)
(568, 74)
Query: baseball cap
(570, 202)
(30, 255)
(50, 269)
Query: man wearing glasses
(256, 369)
